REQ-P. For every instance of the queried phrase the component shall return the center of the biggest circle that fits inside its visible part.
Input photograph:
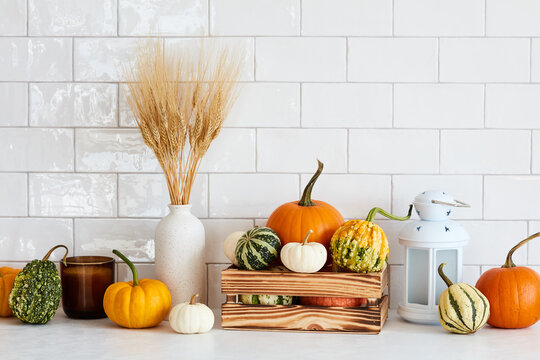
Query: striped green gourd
(463, 309)
(257, 248)
(266, 299)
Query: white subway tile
(145, 271)
(103, 59)
(393, 151)
(109, 150)
(125, 116)
(35, 59)
(73, 195)
(467, 188)
(535, 60)
(511, 197)
(485, 151)
(133, 237)
(491, 240)
(216, 230)
(511, 18)
(215, 298)
(25, 149)
(484, 60)
(146, 195)
(301, 59)
(232, 151)
(14, 104)
(13, 17)
(512, 106)
(250, 195)
(162, 17)
(72, 17)
(255, 17)
(471, 273)
(28, 239)
(13, 197)
(396, 286)
(439, 17)
(392, 60)
(347, 105)
(352, 195)
(61, 104)
(438, 106)
(536, 152)
(266, 105)
(347, 17)
(296, 150)
(241, 47)
(533, 246)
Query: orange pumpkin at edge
(7, 277)
(292, 220)
(513, 293)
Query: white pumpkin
(304, 257)
(229, 246)
(191, 317)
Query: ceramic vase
(179, 251)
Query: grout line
(208, 15)
(485, 18)
(393, 19)
(301, 17)
(292, 82)
(118, 18)
(27, 16)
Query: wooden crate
(367, 320)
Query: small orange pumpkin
(332, 301)
(7, 276)
(292, 221)
(513, 293)
(136, 304)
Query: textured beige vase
(179, 246)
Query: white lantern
(432, 240)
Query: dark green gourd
(36, 291)
(257, 248)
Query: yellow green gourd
(361, 245)
(463, 309)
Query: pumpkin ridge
(456, 308)
(481, 296)
(517, 294)
(473, 307)
(455, 325)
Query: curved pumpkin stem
(443, 276)
(307, 236)
(47, 255)
(192, 301)
(305, 200)
(131, 266)
(377, 210)
(509, 263)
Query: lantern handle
(456, 203)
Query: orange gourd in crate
(7, 276)
(292, 220)
(513, 293)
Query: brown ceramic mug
(84, 281)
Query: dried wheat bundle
(180, 105)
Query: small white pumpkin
(229, 246)
(191, 317)
(304, 257)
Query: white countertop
(64, 338)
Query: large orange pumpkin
(513, 293)
(292, 221)
(7, 276)
(332, 301)
(139, 303)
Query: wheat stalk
(180, 106)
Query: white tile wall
(484, 60)
(73, 104)
(395, 97)
(72, 17)
(14, 104)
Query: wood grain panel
(337, 284)
(305, 318)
